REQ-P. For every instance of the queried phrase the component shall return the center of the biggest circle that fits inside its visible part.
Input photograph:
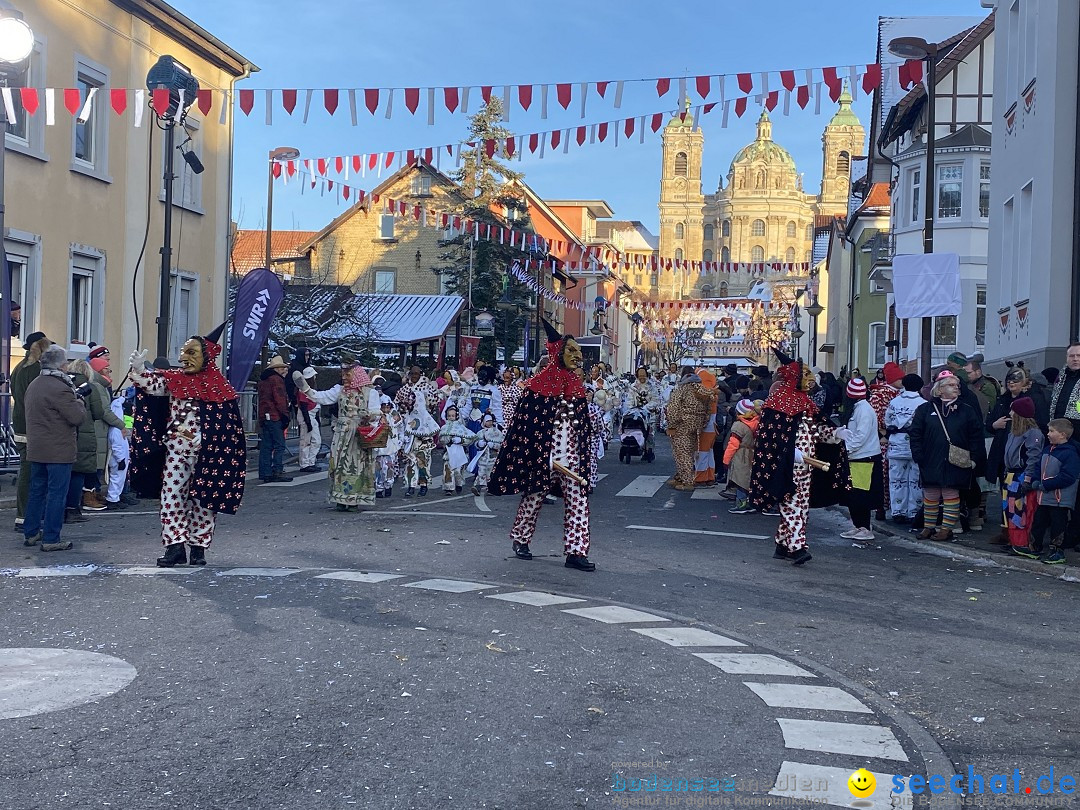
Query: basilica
(758, 213)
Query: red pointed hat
(555, 379)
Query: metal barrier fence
(9, 451)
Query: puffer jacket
(930, 447)
(21, 376)
(102, 403)
(1059, 471)
(86, 461)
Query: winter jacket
(898, 418)
(930, 447)
(862, 434)
(22, 375)
(1059, 472)
(1022, 453)
(995, 464)
(53, 414)
(739, 453)
(100, 401)
(86, 462)
(273, 399)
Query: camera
(84, 390)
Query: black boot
(388, 492)
(174, 555)
(197, 555)
(410, 492)
(801, 557)
(521, 551)
(580, 562)
(423, 489)
(780, 552)
(74, 516)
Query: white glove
(481, 444)
(457, 440)
(843, 433)
(137, 359)
(299, 381)
(799, 457)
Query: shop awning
(408, 319)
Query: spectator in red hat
(881, 394)
(864, 456)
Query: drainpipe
(851, 303)
(1074, 314)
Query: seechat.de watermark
(1000, 784)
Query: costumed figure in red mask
(798, 464)
(548, 450)
(188, 447)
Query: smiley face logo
(862, 783)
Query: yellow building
(760, 213)
(82, 196)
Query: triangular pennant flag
(321, 163)
(117, 97)
(563, 93)
(450, 95)
(772, 100)
(159, 100)
(330, 100)
(740, 106)
(489, 147)
(704, 85)
(803, 96)
(205, 99)
(787, 79)
(30, 99)
(872, 78)
(555, 135)
(356, 163)
(389, 159)
(371, 99)
(373, 161)
(429, 154)
(628, 127)
(509, 147)
(746, 82)
(601, 88)
(534, 141)
(663, 86)
(73, 100)
(412, 99)
(290, 167)
(339, 164)
(276, 168)
(288, 100)
(601, 132)
(581, 135)
(525, 95)
(657, 121)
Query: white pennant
(179, 107)
(431, 106)
(269, 107)
(618, 94)
(140, 106)
(9, 105)
(84, 113)
(50, 106)
(584, 93)
(307, 104)
(465, 98)
(390, 102)
(543, 101)
(352, 105)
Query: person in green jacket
(86, 461)
(21, 376)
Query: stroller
(634, 435)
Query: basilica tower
(842, 141)
(681, 201)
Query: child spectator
(455, 439)
(119, 455)
(739, 454)
(1023, 453)
(1059, 470)
(386, 457)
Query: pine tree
(486, 182)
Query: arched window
(707, 255)
(843, 163)
(723, 289)
(680, 230)
(725, 228)
(759, 182)
(680, 165)
(757, 253)
(710, 233)
(789, 257)
(678, 254)
(757, 227)
(810, 231)
(706, 291)
(725, 255)
(791, 229)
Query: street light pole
(275, 157)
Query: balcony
(882, 248)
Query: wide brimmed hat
(276, 362)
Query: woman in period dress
(352, 469)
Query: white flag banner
(926, 285)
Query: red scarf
(555, 380)
(208, 385)
(786, 396)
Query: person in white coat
(905, 490)
(864, 456)
(307, 416)
(119, 455)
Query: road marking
(753, 664)
(258, 572)
(823, 785)
(601, 477)
(146, 570)
(359, 576)
(300, 480)
(120, 513)
(842, 738)
(438, 514)
(707, 494)
(687, 637)
(612, 614)
(36, 680)
(480, 503)
(58, 571)
(448, 585)
(644, 486)
(807, 696)
(535, 598)
(431, 503)
(700, 531)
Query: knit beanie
(893, 372)
(743, 407)
(1023, 406)
(856, 388)
(957, 359)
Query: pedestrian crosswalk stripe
(58, 571)
(535, 598)
(707, 494)
(807, 696)
(822, 785)
(145, 570)
(412, 503)
(300, 480)
(613, 614)
(437, 514)
(753, 664)
(448, 585)
(842, 738)
(644, 486)
(687, 637)
(258, 572)
(359, 576)
(699, 531)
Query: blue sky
(375, 43)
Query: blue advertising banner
(257, 300)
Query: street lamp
(16, 45)
(918, 48)
(276, 156)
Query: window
(706, 291)
(678, 254)
(725, 228)
(916, 195)
(757, 227)
(945, 330)
(843, 164)
(421, 184)
(757, 253)
(385, 281)
(86, 286)
(791, 229)
(789, 257)
(680, 165)
(27, 132)
(185, 310)
(90, 136)
(187, 186)
(980, 315)
(638, 280)
(950, 190)
(653, 280)
(386, 226)
(710, 233)
(723, 289)
(984, 190)
(877, 345)
(810, 231)
(725, 255)
(707, 255)
(680, 230)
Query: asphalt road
(287, 688)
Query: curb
(1064, 573)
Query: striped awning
(409, 319)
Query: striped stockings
(941, 504)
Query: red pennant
(329, 185)
(835, 90)
(375, 199)
(321, 164)
(829, 75)
(290, 167)
(746, 82)
(913, 70)
(509, 147)
(663, 86)
(330, 100)
(160, 101)
(787, 78)
(534, 142)
(73, 100)
(580, 136)
(288, 100)
(389, 159)
(372, 161)
(450, 94)
(339, 164)
(872, 78)
(772, 99)
(489, 147)
(356, 163)
(628, 127)
(601, 88)
(429, 154)
(29, 99)
(803, 96)
(416, 212)
(485, 93)
(412, 98)
(276, 168)
(562, 91)
(708, 108)
(410, 157)
(117, 97)
(345, 191)
(740, 106)
(704, 85)
(601, 132)
(556, 136)
(525, 95)
(445, 221)
(371, 99)
(205, 101)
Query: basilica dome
(763, 148)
